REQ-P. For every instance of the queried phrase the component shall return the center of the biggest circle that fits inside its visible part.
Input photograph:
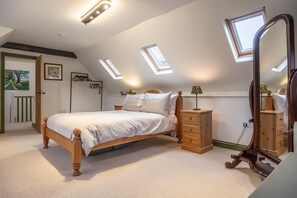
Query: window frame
(234, 39)
(152, 61)
(111, 69)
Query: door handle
(40, 92)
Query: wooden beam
(32, 48)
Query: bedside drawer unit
(190, 118)
(272, 132)
(118, 107)
(191, 130)
(279, 120)
(279, 132)
(191, 140)
(197, 130)
(280, 146)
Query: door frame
(3, 56)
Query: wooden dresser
(272, 132)
(118, 107)
(197, 130)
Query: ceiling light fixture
(98, 9)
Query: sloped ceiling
(189, 33)
(4, 34)
(192, 39)
(56, 24)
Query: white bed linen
(99, 127)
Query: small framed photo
(53, 71)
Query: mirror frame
(291, 92)
(250, 154)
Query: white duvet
(99, 127)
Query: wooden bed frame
(75, 146)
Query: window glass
(241, 31)
(111, 69)
(155, 59)
(246, 30)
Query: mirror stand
(253, 154)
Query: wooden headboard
(156, 91)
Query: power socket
(247, 124)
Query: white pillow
(133, 102)
(156, 103)
(280, 102)
(172, 104)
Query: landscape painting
(16, 80)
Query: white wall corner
(5, 34)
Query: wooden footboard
(75, 146)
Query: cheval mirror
(272, 95)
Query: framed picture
(53, 71)
(16, 80)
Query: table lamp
(196, 90)
(263, 89)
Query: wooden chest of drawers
(118, 107)
(197, 130)
(272, 132)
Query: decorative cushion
(156, 103)
(133, 102)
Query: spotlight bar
(98, 9)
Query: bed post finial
(179, 93)
(76, 152)
(44, 136)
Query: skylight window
(241, 32)
(281, 66)
(111, 69)
(154, 57)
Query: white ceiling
(190, 34)
(56, 23)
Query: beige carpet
(151, 168)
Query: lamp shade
(263, 89)
(196, 90)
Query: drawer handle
(190, 118)
(191, 129)
(191, 141)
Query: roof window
(241, 32)
(111, 69)
(154, 57)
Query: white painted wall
(57, 97)
(230, 110)
(192, 39)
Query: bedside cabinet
(197, 130)
(272, 132)
(118, 107)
